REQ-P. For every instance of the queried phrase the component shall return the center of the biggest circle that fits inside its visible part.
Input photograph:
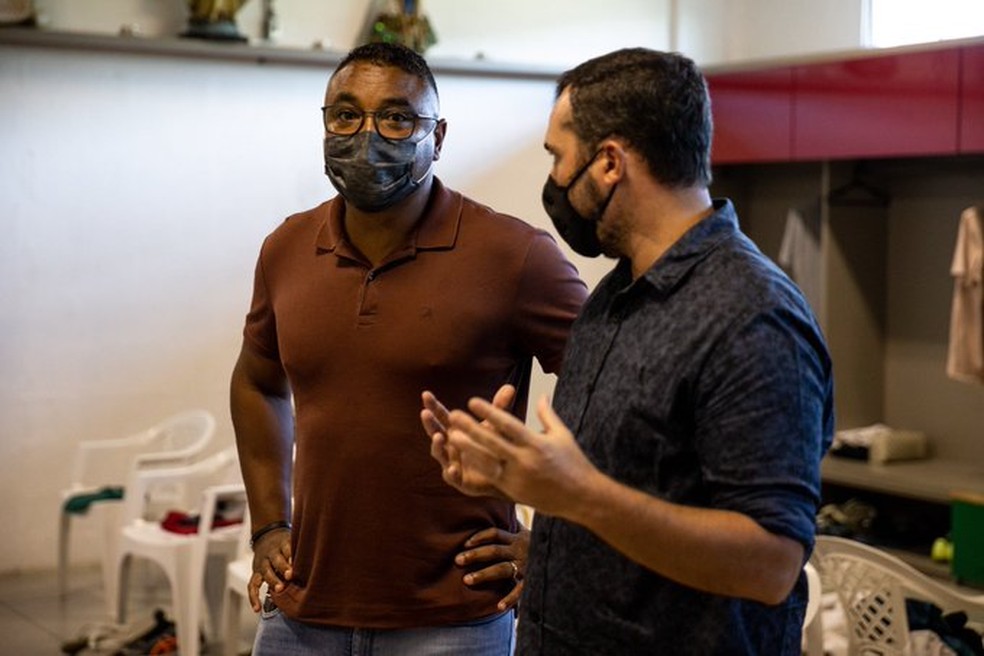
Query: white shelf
(930, 480)
(247, 53)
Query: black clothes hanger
(858, 192)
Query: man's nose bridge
(366, 117)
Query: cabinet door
(879, 106)
(752, 113)
(972, 100)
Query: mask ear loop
(427, 171)
(599, 213)
(580, 172)
(430, 167)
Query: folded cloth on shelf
(879, 443)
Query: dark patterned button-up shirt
(705, 382)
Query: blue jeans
(278, 635)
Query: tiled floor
(35, 620)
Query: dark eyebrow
(394, 102)
(397, 101)
(345, 97)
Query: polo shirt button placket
(368, 298)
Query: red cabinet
(879, 106)
(972, 99)
(752, 115)
(915, 102)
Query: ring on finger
(515, 570)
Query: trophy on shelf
(400, 21)
(17, 12)
(214, 20)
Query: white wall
(721, 32)
(135, 191)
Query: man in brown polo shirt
(396, 285)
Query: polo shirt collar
(437, 229)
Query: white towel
(799, 253)
(965, 356)
(884, 443)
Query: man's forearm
(717, 551)
(264, 437)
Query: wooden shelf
(923, 563)
(928, 480)
(247, 53)
(939, 571)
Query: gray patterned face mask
(369, 171)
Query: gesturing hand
(545, 470)
(456, 473)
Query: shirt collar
(693, 246)
(438, 229)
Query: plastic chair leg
(814, 636)
(64, 525)
(117, 583)
(232, 608)
(186, 599)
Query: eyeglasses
(393, 124)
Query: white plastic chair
(102, 467)
(183, 557)
(238, 572)
(813, 619)
(872, 587)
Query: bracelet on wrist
(263, 530)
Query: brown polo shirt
(460, 309)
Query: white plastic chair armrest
(139, 485)
(164, 458)
(93, 448)
(210, 503)
(912, 582)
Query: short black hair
(656, 101)
(391, 54)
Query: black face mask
(369, 171)
(580, 232)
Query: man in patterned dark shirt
(678, 472)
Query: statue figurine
(401, 21)
(17, 12)
(214, 19)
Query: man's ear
(439, 131)
(615, 157)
